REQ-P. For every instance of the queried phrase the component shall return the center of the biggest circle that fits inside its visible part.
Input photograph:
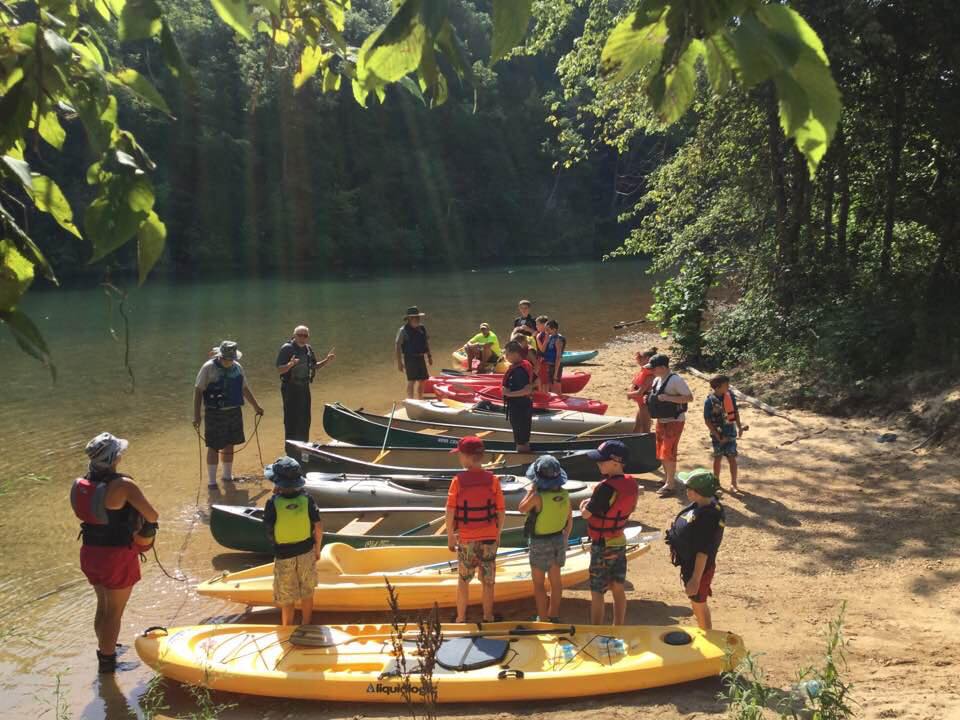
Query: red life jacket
(525, 364)
(89, 500)
(476, 502)
(612, 523)
(729, 408)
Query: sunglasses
(302, 335)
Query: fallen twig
(925, 441)
(821, 431)
(759, 404)
(622, 324)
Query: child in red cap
(475, 513)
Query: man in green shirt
(483, 347)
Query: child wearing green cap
(550, 522)
(694, 539)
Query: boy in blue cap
(694, 539)
(607, 512)
(549, 506)
(293, 524)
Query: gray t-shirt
(676, 385)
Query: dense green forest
(708, 136)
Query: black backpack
(660, 409)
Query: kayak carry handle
(155, 628)
(520, 632)
(505, 674)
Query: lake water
(46, 607)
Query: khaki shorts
(478, 555)
(294, 578)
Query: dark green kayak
(361, 428)
(241, 528)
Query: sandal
(665, 491)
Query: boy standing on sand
(525, 321)
(413, 351)
(694, 539)
(293, 524)
(517, 389)
(549, 503)
(474, 520)
(722, 418)
(642, 382)
(607, 512)
(667, 402)
(551, 369)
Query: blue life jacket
(227, 390)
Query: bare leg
(643, 416)
(556, 590)
(101, 613)
(619, 603)
(286, 614)
(701, 611)
(306, 605)
(597, 606)
(488, 595)
(638, 423)
(717, 466)
(669, 473)
(411, 392)
(213, 456)
(540, 592)
(463, 596)
(733, 472)
(419, 389)
(523, 448)
(112, 618)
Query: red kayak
(541, 400)
(572, 382)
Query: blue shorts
(728, 448)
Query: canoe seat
(337, 555)
(466, 654)
(361, 525)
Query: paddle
(424, 526)
(323, 636)
(386, 436)
(622, 324)
(591, 431)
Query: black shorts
(416, 366)
(223, 427)
(520, 415)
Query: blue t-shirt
(714, 413)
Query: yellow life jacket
(552, 517)
(293, 519)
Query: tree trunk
(843, 162)
(895, 150)
(828, 183)
(778, 181)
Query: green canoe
(241, 528)
(362, 428)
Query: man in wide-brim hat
(413, 351)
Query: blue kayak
(575, 357)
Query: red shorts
(705, 590)
(115, 568)
(668, 439)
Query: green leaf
(788, 22)
(673, 93)
(151, 237)
(140, 197)
(49, 198)
(450, 45)
(411, 87)
(174, 59)
(28, 337)
(51, 130)
(113, 217)
(142, 88)
(57, 44)
(311, 58)
(381, 62)
(360, 92)
(235, 14)
(331, 80)
(510, 20)
(634, 47)
(721, 63)
(20, 170)
(16, 275)
(761, 54)
(271, 6)
(433, 14)
(27, 246)
(139, 19)
(398, 29)
(810, 107)
(337, 12)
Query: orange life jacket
(476, 502)
(612, 523)
(728, 407)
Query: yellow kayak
(505, 661)
(460, 359)
(352, 579)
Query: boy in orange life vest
(475, 513)
(722, 418)
(607, 512)
(517, 388)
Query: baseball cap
(285, 473)
(658, 360)
(546, 472)
(470, 445)
(701, 481)
(228, 350)
(611, 450)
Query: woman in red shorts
(117, 524)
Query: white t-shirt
(676, 385)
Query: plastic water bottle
(569, 651)
(613, 646)
(809, 689)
